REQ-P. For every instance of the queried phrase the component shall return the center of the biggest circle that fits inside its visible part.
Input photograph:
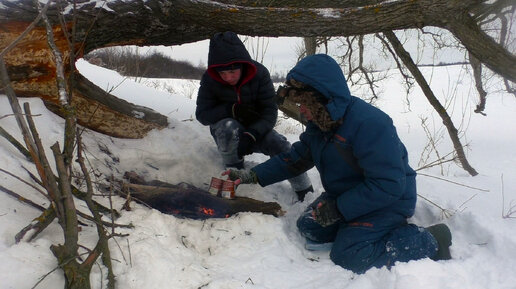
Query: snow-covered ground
(258, 251)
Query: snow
(329, 13)
(252, 250)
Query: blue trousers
(226, 133)
(370, 241)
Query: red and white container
(216, 186)
(228, 189)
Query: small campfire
(187, 201)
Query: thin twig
(466, 201)
(512, 207)
(12, 114)
(130, 256)
(16, 143)
(249, 280)
(120, 248)
(437, 162)
(21, 199)
(463, 185)
(59, 266)
(27, 183)
(46, 275)
(444, 211)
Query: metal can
(216, 186)
(228, 189)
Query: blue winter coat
(362, 163)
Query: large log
(185, 200)
(100, 111)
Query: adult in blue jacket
(370, 189)
(236, 100)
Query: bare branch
(409, 80)
(483, 47)
(511, 211)
(21, 199)
(477, 73)
(445, 212)
(452, 131)
(456, 183)
(37, 225)
(42, 164)
(102, 244)
(27, 183)
(16, 144)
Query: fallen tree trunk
(100, 111)
(32, 73)
(94, 24)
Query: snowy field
(256, 251)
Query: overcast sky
(280, 54)
(277, 54)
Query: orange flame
(207, 211)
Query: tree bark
(183, 21)
(310, 45)
(483, 47)
(33, 74)
(100, 111)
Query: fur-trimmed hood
(322, 72)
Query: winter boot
(301, 194)
(442, 234)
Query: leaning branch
(477, 73)
(452, 131)
(483, 47)
(102, 243)
(15, 143)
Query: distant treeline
(129, 62)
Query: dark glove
(326, 213)
(245, 176)
(245, 144)
(245, 113)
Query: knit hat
(314, 101)
(231, 66)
